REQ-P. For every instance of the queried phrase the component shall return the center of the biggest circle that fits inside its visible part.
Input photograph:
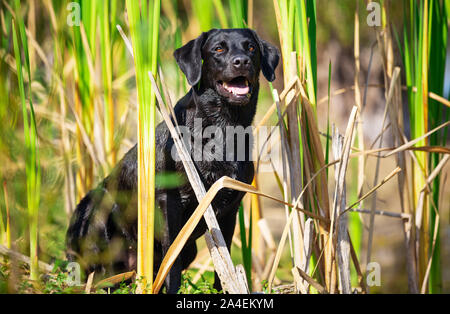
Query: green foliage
(238, 13)
(57, 284)
(4, 277)
(203, 286)
(125, 288)
(424, 54)
(33, 167)
(437, 115)
(246, 244)
(144, 20)
(265, 287)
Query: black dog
(223, 68)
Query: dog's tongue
(237, 87)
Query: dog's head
(228, 61)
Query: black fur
(102, 233)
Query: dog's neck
(215, 110)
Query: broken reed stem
(342, 247)
(372, 190)
(199, 189)
(383, 213)
(311, 281)
(389, 98)
(285, 160)
(339, 197)
(4, 251)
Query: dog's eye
(219, 49)
(251, 48)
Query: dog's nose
(241, 61)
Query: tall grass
(4, 102)
(296, 22)
(424, 54)
(358, 166)
(238, 13)
(108, 10)
(84, 48)
(204, 11)
(438, 28)
(59, 86)
(144, 29)
(32, 159)
(5, 85)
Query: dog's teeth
(246, 83)
(227, 88)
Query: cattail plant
(4, 103)
(438, 28)
(93, 48)
(4, 82)
(358, 166)
(204, 11)
(32, 160)
(424, 56)
(304, 151)
(108, 10)
(143, 19)
(84, 47)
(59, 86)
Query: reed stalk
(32, 159)
(107, 10)
(358, 166)
(203, 13)
(296, 20)
(84, 92)
(144, 30)
(424, 55)
(438, 40)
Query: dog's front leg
(172, 210)
(227, 225)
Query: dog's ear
(189, 59)
(270, 56)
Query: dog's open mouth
(239, 87)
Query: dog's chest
(210, 172)
(219, 139)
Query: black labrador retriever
(223, 68)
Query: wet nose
(241, 62)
